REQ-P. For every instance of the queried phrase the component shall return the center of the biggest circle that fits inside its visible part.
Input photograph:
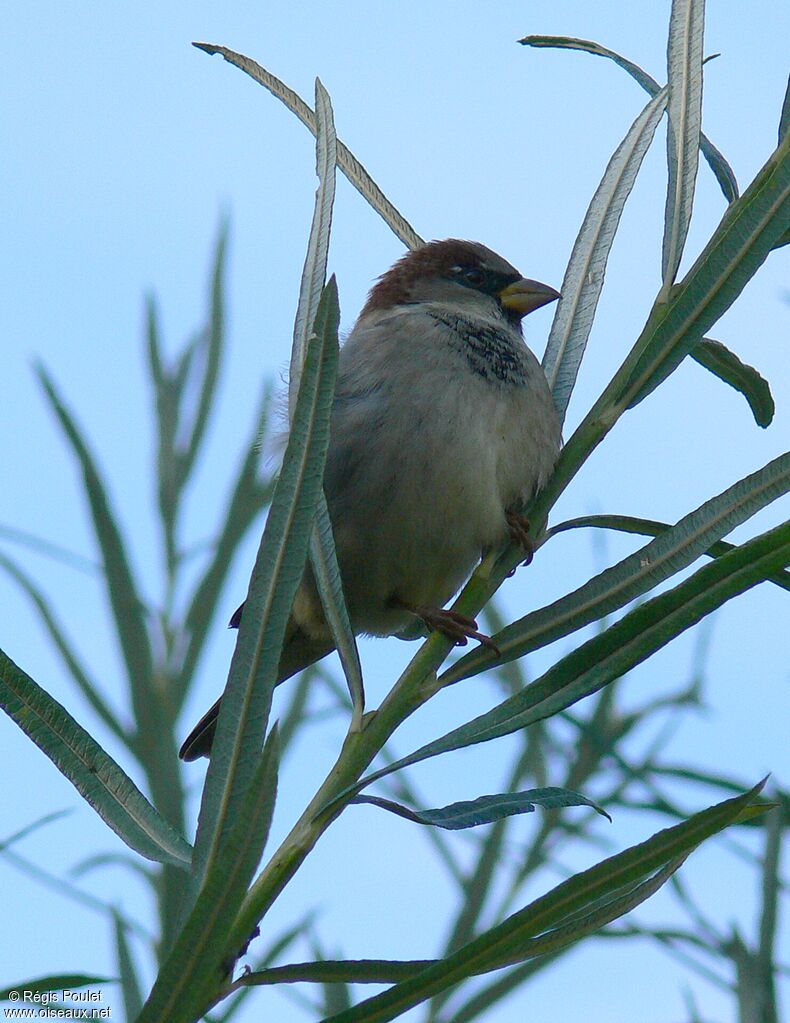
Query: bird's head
(461, 273)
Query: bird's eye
(474, 276)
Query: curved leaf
(583, 281)
(127, 606)
(724, 173)
(726, 365)
(85, 684)
(94, 774)
(17, 836)
(635, 575)
(617, 649)
(652, 527)
(573, 909)
(486, 809)
(326, 572)
(346, 160)
(748, 231)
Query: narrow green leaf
(130, 985)
(199, 962)
(718, 164)
(57, 982)
(79, 674)
(64, 889)
(17, 836)
(748, 231)
(91, 863)
(672, 551)
(323, 557)
(347, 971)
(652, 527)
(93, 773)
(211, 345)
(275, 580)
(153, 342)
(326, 572)
(765, 959)
(249, 496)
(619, 648)
(728, 367)
(784, 119)
(584, 277)
(127, 606)
(684, 75)
(784, 240)
(50, 550)
(166, 395)
(512, 940)
(346, 160)
(485, 809)
(314, 269)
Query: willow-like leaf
(323, 556)
(17, 836)
(326, 572)
(314, 269)
(684, 76)
(249, 496)
(346, 160)
(76, 669)
(485, 809)
(784, 119)
(726, 365)
(56, 982)
(618, 649)
(130, 984)
(275, 579)
(748, 231)
(212, 345)
(197, 964)
(347, 971)
(584, 277)
(672, 551)
(652, 527)
(127, 605)
(722, 170)
(644, 866)
(95, 775)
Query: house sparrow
(442, 428)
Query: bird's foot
(457, 627)
(518, 527)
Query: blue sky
(124, 147)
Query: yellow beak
(525, 296)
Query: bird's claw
(457, 627)
(518, 527)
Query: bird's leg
(457, 627)
(518, 527)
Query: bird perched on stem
(442, 429)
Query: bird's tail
(300, 651)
